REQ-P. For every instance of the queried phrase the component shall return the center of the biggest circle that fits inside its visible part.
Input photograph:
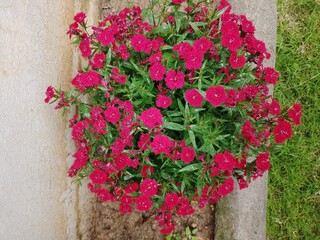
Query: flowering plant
(172, 108)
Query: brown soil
(110, 224)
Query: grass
(294, 179)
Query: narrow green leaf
(109, 55)
(180, 106)
(174, 126)
(188, 231)
(167, 47)
(196, 29)
(182, 37)
(193, 139)
(191, 167)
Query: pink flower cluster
(159, 118)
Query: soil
(110, 224)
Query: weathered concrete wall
(34, 53)
(37, 201)
(242, 214)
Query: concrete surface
(34, 54)
(242, 215)
(37, 201)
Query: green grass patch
(294, 179)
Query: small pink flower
(171, 200)
(178, 1)
(187, 154)
(73, 29)
(263, 163)
(141, 44)
(121, 161)
(117, 77)
(157, 71)
(106, 36)
(163, 101)
(183, 49)
(232, 42)
(85, 47)
(227, 187)
(168, 228)
(104, 195)
(246, 25)
(270, 75)
(125, 208)
(225, 161)
(230, 28)
(194, 98)
(144, 141)
(78, 130)
(184, 208)
(161, 144)
(112, 114)
(242, 184)
(143, 203)
(149, 187)
(85, 80)
(295, 113)
(80, 17)
(237, 62)
(174, 80)
(98, 176)
(274, 108)
(282, 131)
(49, 94)
(216, 95)
(98, 60)
(146, 171)
(194, 60)
(202, 45)
(151, 117)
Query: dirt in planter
(110, 224)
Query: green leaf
(193, 139)
(109, 55)
(135, 194)
(200, 185)
(154, 3)
(84, 110)
(167, 47)
(165, 175)
(188, 231)
(175, 114)
(174, 126)
(178, 23)
(168, 56)
(180, 105)
(128, 176)
(196, 29)
(147, 14)
(186, 110)
(77, 41)
(162, 30)
(207, 148)
(191, 167)
(182, 37)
